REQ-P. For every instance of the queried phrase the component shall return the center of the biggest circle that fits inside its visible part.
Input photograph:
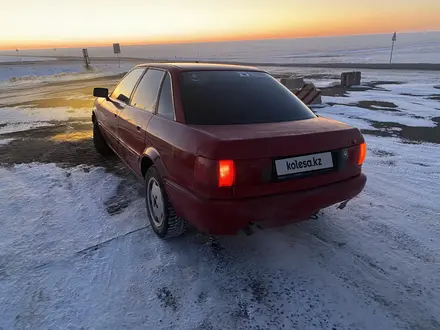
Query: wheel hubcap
(155, 202)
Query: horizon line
(94, 44)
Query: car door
(164, 133)
(134, 118)
(110, 109)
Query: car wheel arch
(146, 163)
(152, 157)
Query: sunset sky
(58, 23)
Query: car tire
(163, 218)
(101, 145)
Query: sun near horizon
(50, 23)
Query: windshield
(238, 97)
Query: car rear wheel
(163, 218)
(101, 145)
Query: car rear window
(237, 97)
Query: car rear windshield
(237, 97)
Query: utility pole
(392, 45)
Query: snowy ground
(17, 58)
(76, 250)
(57, 71)
(421, 47)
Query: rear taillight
(214, 173)
(226, 173)
(357, 153)
(362, 153)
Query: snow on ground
(31, 74)
(5, 141)
(28, 115)
(24, 59)
(20, 127)
(344, 113)
(52, 213)
(418, 89)
(323, 83)
(379, 115)
(68, 262)
(407, 105)
(422, 47)
(403, 76)
(16, 119)
(34, 72)
(326, 77)
(76, 250)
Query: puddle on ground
(56, 102)
(434, 97)
(73, 136)
(376, 105)
(371, 105)
(412, 134)
(340, 91)
(53, 129)
(67, 144)
(384, 82)
(383, 153)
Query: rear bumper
(227, 217)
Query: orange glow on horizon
(82, 23)
(286, 35)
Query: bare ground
(67, 143)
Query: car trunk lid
(268, 157)
(283, 139)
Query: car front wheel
(163, 218)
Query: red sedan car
(225, 146)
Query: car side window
(145, 95)
(123, 91)
(166, 107)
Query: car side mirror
(100, 92)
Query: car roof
(196, 66)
